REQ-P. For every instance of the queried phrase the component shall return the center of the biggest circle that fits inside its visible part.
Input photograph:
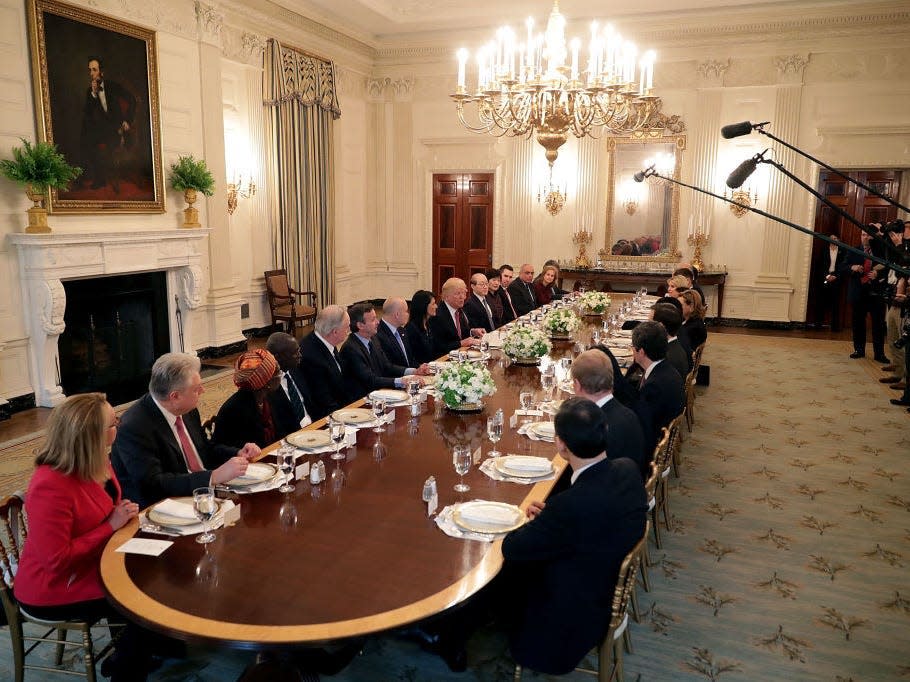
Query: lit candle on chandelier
(462, 61)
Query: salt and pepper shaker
(317, 472)
(429, 489)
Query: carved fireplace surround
(45, 260)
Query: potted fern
(190, 177)
(38, 168)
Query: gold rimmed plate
(481, 516)
(356, 415)
(522, 466)
(543, 430)
(256, 472)
(310, 440)
(390, 396)
(472, 355)
(163, 519)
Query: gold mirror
(643, 217)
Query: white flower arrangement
(464, 382)
(525, 342)
(561, 321)
(595, 302)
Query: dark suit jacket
(420, 342)
(477, 314)
(329, 391)
(855, 288)
(391, 348)
(148, 459)
(365, 372)
(442, 328)
(622, 391)
(660, 401)
(568, 559)
(239, 422)
(283, 412)
(676, 356)
(504, 297)
(624, 435)
(523, 300)
(695, 331)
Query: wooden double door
(462, 225)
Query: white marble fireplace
(46, 260)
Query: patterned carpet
(790, 539)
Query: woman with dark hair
(423, 307)
(545, 283)
(494, 280)
(693, 317)
(74, 505)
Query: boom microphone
(744, 170)
(642, 174)
(739, 129)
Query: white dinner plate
(163, 519)
(523, 466)
(473, 355)
(389, 395)
(481, 516)
(309, 440)
(544, 430)
(355, 415)
(256, 472)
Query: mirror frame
(673, 253)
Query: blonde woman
(677, 284)
(74, 505)
(545, 284)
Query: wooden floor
(28, 421)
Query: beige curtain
(301, 107)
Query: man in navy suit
(476, 307)
(562, 566)
(392, 337)
(592, 378)
(161, 449)
(677, 354)
(865, 284)
(320, 363)
(449, 326)
(661, 394)
(292, 405)
(363, 362)
(506, 275)
(522, 291)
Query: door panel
(462, 225)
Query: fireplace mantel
(45, 260)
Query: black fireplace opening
(115, 328)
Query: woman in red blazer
(73, 507)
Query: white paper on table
(144, 546)
(350, 435)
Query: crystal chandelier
(538, 86)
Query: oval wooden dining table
(354, 555)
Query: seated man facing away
(592, 378)
(563, 564)
(161, 449)
(363, 362)
(677, 355)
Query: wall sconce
(552, 196)
(237, 191)
(744, 197)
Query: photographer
(866, 294)
(902, 298)
(896, 299)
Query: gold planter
(465, 407)
(190, 214)
(37, 214)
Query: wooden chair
(283, 301)
(690, 387)
(645, 562)
(13, 532)
(658, 503)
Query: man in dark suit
(671, 318)
(832, 267)
(506, 277)
(562, 566)
(392, 337)
(161, 450)
(292, 405)
(661, 395)
(522, 291)
(865, 283)
(592, 378)
(363, 362)
(479, 313)
(449, 326)
(320, 364)
(107, 119)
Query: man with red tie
(450, 327)
(161, 449)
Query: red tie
(457, 316)
(867, 268)
(193, 462)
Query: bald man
(449, 326)
(392, 338)
(521, 291)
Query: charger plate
(515, 517)
(178, 521)
(310, 440)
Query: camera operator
(902, 297)
(866, 294)
(896, 299)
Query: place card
(350, 435)
(513, 420)
(529, 413)
(432, 504)
(231, 514)
(144, 546)
(476, 456)
(302, 471)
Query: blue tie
(404, 350)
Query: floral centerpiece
(463, 384)
(526, 344)
(595, 302)
(561, 322)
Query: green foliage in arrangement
(188, 173)
(39, 165)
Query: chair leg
(655, 526)
(643, 568)
(636, 614)
(617, 675)
(61, 638)
(627, 641)
(15, 635)
(88, 655)
(666, 507)
(517, 675)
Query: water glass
(461, 460)
(595, 336)
(379, 413)
(548, 382)
(337, 434)
(286, 466)
(484, 345)
(204, 506)
(494, 432)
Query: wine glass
(414, 390)
(547, 382)
(484, 346)
(337, 434)
(379, 413)
(286, 466)
(205, 507)
(595, 336)
(494, 432)
(461, 459)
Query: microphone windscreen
(639, 176)
(742, 172)
(736, 130)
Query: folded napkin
(489, 514)
(525, 463)
(180, 510)
(445, 523)
(194, 529)
(488, 467)
(545, 430)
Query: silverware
(155, 529)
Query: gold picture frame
(110, 128)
